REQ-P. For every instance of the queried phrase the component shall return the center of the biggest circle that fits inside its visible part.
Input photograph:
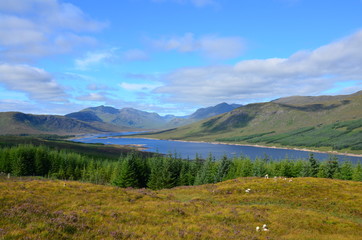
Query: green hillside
(21, 123)
(330, 122)
(301, 208)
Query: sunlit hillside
(299, 208)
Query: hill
(301, 208)
(21, 123)
(133, 118)
(334, 122)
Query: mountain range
(318, 122)
(133, 118)
(100, 119)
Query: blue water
(190, 149)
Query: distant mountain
(330, 121)
(21, 123)
(125, 117)
(139, 119)
(203, 113)
(133, 118)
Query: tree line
(162, 171)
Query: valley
(325, 123)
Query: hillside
(21, 123)
(303, 118)
(133, 118)
(301, 208)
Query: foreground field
(299, 208)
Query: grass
(303, 208)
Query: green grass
(304, 208)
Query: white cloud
(35, 82)
(210, 46)
(30, 29)
(139, 86)
(26, 31)
(304, 73)
(68, 16)
(197, 3)
(95, 87)
(92, 97)
(93, 58)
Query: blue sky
(174, 56)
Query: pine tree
(208, 172)
(127, 176)
(332, 167)
(357, 173)
(346, 171)
(42, 163)
(185, 178)
(260, 168)
(322, 171)
(314, 165)
(223, 169)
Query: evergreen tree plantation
(161, 171)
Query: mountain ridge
(130, 117)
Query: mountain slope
(21, 123)
(300, 208)
(221, 108)
(277, 117)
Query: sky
(174, 56)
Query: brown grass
(303, 208)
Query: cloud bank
(213, 47)
(33, 29)
(35, 82)
(30, 29)
(303, 73)
(197, 3)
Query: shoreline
(259, 146)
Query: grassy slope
(269, 117)
(304, 208)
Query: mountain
(203, 113)
(21, 123)
(139, 119)
(125, 117)
(326, 121)
(133, 118)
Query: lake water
(190, 149)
